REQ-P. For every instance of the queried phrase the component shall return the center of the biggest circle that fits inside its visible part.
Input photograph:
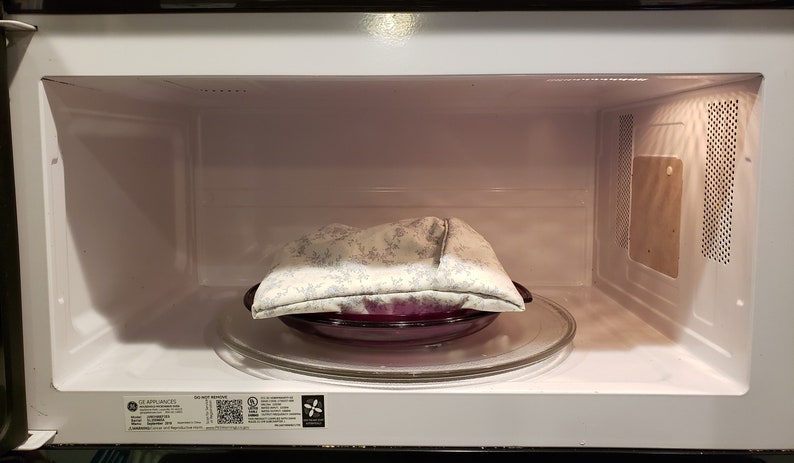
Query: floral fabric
(411, 266)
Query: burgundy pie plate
(387, 330)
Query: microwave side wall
(442, 33)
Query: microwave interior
(629, 200)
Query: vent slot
(209, 86)
(625, 156)
(721, 143)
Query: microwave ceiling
(459, 93)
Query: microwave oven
(630, 167)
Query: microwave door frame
(10, 307)
(13, 409)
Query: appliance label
(202, 412)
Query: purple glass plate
(388, 334)
(391, 330)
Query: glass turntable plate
(512, 341)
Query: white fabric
(415, 265)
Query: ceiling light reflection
(597, 79)
(391, 28)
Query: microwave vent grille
(721, 142)
(208, 86)
(625, 156)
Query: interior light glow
(391, 28)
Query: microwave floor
(613, 351)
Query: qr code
(230, 411)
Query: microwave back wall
(633, 167)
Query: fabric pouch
(411, 266)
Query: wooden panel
(654, 235)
